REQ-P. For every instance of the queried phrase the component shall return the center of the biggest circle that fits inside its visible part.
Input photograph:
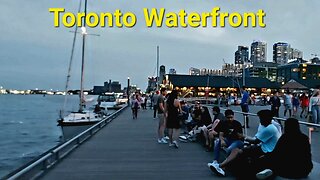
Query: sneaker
(214, 167)
(171, 144)
(215, 162)
(264, 174)
(175, 144)
(164, 141)
(166, 138)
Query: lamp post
(128, 90)
(207, 89)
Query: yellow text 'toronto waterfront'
(159, 18)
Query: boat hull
(70, 130)
(77, 122)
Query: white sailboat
(77, 122)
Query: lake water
(29, 127)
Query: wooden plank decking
(127, 149)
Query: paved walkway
(127, 149)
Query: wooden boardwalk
(127, 149)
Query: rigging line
(70, 63)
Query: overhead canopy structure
(220, 81)
(292, 84)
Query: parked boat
(121, 99)
(76, 122)
(109, 101)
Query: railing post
(310, 134)
(57, 155)
(44, 165)
(245, 123)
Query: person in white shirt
(314, 106)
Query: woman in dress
(173, 108)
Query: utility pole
(207, 89)
(243, 74)
(128, 90)
(158, 68)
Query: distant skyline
(35, 54)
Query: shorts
(288, 106)
(161, 119)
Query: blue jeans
(231, 144)
(315, 114)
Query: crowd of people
(245, 157)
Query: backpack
(136, 104)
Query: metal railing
(310, 125)
(52, 157)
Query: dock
(127, 148)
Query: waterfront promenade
(127, 149)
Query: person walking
(287, 103)
(244, 104)
(136, 105)
(304, 103)
(275, 105)
(295, 104)
(314, 106)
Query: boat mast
(82, 101)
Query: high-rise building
(281, 53)
(241, 55)
(301, 71)
(152, 84)
(162, 73)
(194, 71)
(265, 70)
(258, 52)
(296, 54)
(172, 71)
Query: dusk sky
(35, 54)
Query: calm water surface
(28, 127)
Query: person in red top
(304, 102)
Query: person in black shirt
(230, 136)
(275, 105)
(209, 132)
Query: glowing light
(83, 30)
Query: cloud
(37, 53)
